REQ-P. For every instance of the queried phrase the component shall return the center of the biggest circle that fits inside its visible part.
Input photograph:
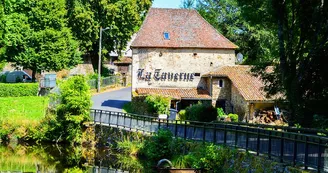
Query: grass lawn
(23, 108)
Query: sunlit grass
(23, 108)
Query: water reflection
(61, 158)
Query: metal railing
(308, 150)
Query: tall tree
(256, 42)
(36, 36)
(123, 17)
(301, 73)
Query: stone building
(177, 53)
(236, 90)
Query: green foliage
(182, 114)
(320, 121)
(35, 36)
(137, 106)
(3, 78)
(158, 104)
(201, 112)
(233, 117)
(159, 146)
(121, 16)
(19, 89)
(214, 158)
(129, 147)
(220, 112)
(148, 105)
(2, 64)
(256, 42)
(300, 72)
(73, 108)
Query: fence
(310, 151)
(107, 81)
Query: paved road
(113, 100)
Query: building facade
(179, 54)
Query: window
(221, 83)
(166, 36)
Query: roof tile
(249, 86)
(177, 93)
(186, 27)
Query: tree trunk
(33, 75)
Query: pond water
(61, 158)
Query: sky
(167, 3)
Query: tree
(300, 73)
(36, 36)
(256, 42)
(123, 17)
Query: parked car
(15, 76)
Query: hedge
(18, 89)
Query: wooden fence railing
(284, 144)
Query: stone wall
(221, 93)
(180, 62)
(240, 105)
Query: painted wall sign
(163, 76)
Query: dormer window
(166, 36)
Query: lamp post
(99, 59)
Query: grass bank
(23, 108)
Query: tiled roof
(186, 28)
(249, 86)
(123, 60)
(177, 93)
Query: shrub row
(18, 89)
(205, 113)
(148, 105)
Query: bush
(214, 158)
(159, 146)
(3, 78)
(201, 112)
(182, 114)
(221, 113)
(233, 117)
(73, 108)
(18, 89)
(137, 106)
(158, 104)
(148, 105)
